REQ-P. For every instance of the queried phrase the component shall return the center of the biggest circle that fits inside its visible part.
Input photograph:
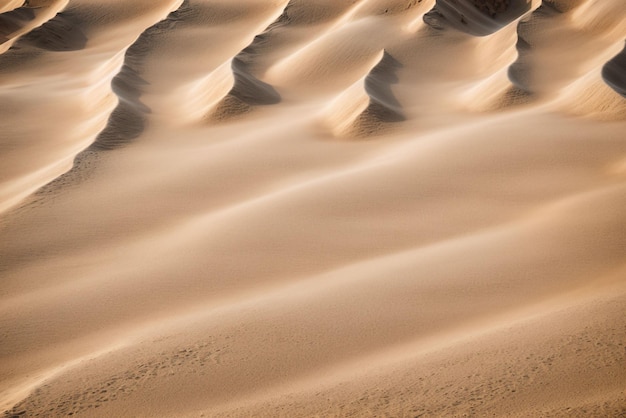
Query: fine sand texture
(333, 208)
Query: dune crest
(370, 106)
(247, 91)
(478, 17)
(16, 22)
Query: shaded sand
(313, 208)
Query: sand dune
(613, 73)
(246, 90)
(27, 20)
(370, 105)
(478, 18)
(312, 208)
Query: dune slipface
(312, 208)
(614, 73)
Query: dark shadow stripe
(128, 120)
(475, 17)
(61, 33)
(378, 84)
(614, 73)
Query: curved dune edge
(499, 91)
(300, 208)
(477, 18)
(128, 120)
(11, 5)
(592, 29)
(614, 73)
(594, 99)
(370, 106)
(246, 91)
(95, 101)
(28, 16)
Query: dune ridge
(302, 208)
(247, 90)
(27, 18)
(374, 109)
(127, 121)
(478, 18)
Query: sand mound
(368, 107)
(247, 90)
(539, 46)
(128, 120)
(330, 63)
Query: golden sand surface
(273, 208)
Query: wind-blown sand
(313, 208)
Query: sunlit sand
(312, 208)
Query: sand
(312, 208)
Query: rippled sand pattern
(403, 208)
